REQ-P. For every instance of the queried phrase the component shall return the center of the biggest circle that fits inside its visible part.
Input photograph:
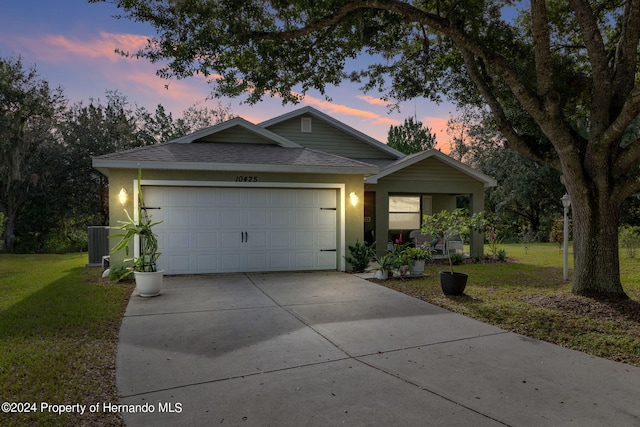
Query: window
(404, 212)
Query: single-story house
(291, 193)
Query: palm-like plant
(142, 227)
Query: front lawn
(59, 327)
(527, 295)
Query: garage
(239, 229)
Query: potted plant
(148, 278)
(402, 259)
(418, 256)
(446, 225)
(385, 265)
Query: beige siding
(236, 134)
(325, 137)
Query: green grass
(527, 295)
(58, 336)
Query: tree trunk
(8, 232)
(595, 240)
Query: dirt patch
(605, 310)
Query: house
(290, 193)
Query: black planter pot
(453, 283)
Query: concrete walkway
(328, 348)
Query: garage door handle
(246, 236)
(328, 209)
(328, 250)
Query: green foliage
(120, 273)
(448, 224)
(419, 254)
(456, 258)
(411, 137)
(556, 235)
(386, 262)
(360, 256)
(629, 237)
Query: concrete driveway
(328, 348)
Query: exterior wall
(236, 135)
(327, 138)
(126, 178)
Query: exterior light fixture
(566, 203)
(122, 196)
(354, 199)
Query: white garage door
(219, 230)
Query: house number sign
(245, 178)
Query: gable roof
(436, 154)
(337, 124)
(235, 122)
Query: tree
(29, 110)
(527, 198)
(411, 137)
(560, 78)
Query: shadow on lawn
(72, 306)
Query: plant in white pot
(385, 265)
(418, 256)
(148, 278)
(446, 225)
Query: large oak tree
(560, 78)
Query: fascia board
(101, 164)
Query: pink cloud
(350, 111)
(373, 101)
(59, 48)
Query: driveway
(329, 348)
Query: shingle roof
(200, 154)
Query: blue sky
(72, 44)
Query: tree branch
(626, 55)
(515, 141)
(542, 47)
(601, 95)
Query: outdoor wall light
(122, 196)
(354, 199)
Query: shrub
(456, 258)
(119, 273)
(629, 239)
(360, 254)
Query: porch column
(382, 221)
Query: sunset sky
(72, 44)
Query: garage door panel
(326, 239)
(175, 217)
(206, 263)
(304, 218)
(207, 240)
(244, 229)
